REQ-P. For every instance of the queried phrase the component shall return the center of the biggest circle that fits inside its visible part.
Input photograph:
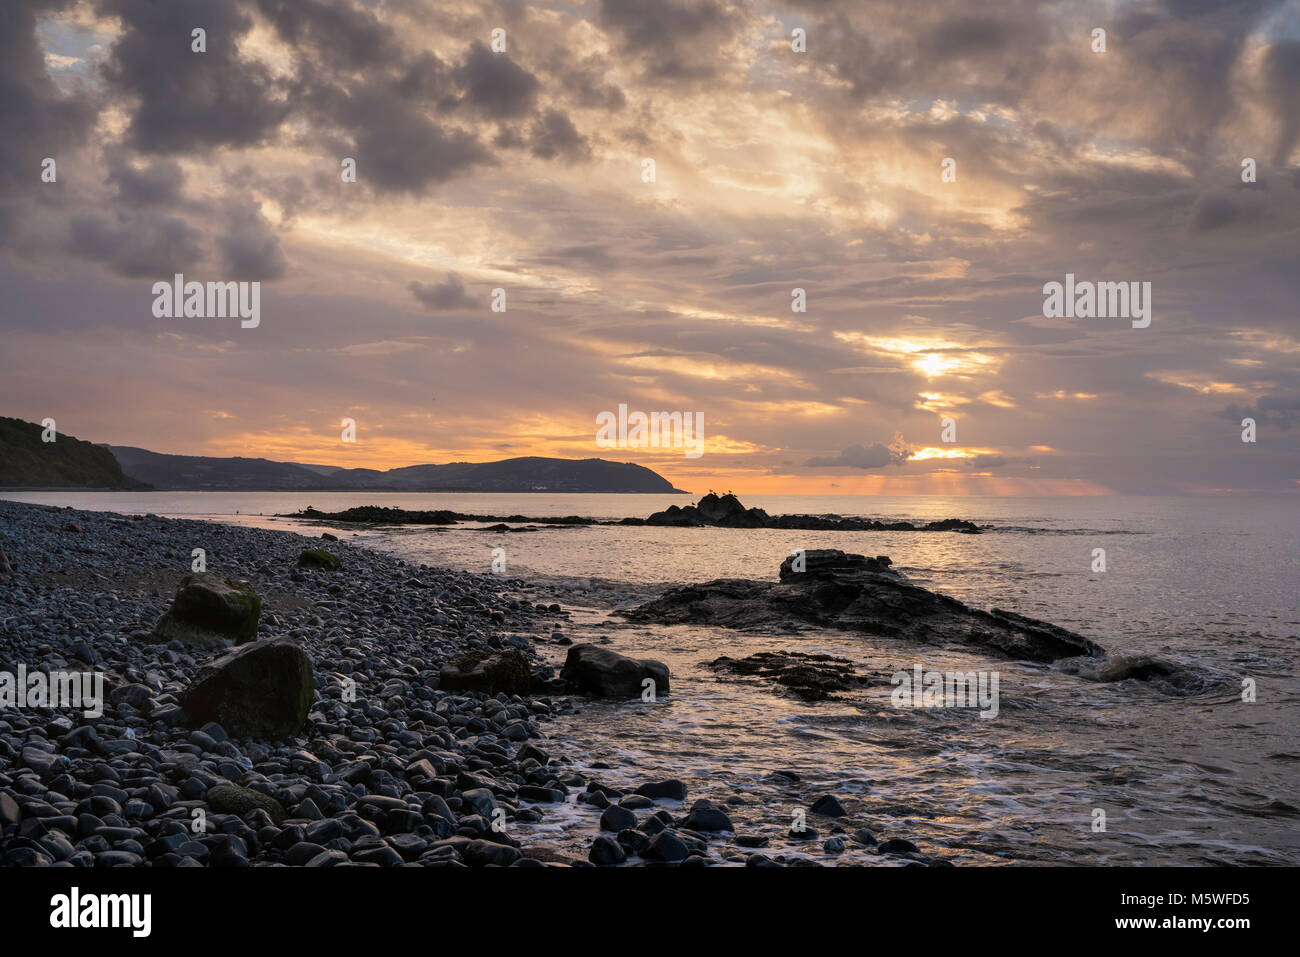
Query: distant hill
(67, 462)
(532, 474)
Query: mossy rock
(319, 558)
(261, 690)
(210, 612)
(233, 799)
(487, 671)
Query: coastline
(407, 774)
(87, 587)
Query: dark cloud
(448, 294)
(185, 101)
(1220, 210)
(672, 39)
(250, 249)
(36, 120)
(874, 456)
(398, 148)
(587, 84)
(495, 85)
(1280, 411)
(555, 135)
(146, 244)
(352, 37)
(157, 182)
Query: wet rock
(210, 612)
(806, 676)
(480, 853)
(1164, 675)
(487, 671)
(846, 592)
(828, 805)
(671, 789)
(259, 690)
(606, 852)
(597, 671)
(726, 511)
(898, 845)
(617, 818)
(665, 846)
(707, 816)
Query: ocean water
(1180, 779)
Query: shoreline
(87, 586)
(407, 774)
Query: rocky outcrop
(490, 672)
(726, 511)
(607, 674)
(210, 612)
(855, 593)
(260, 690)
(806, 676)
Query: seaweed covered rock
(210, 612)
(233, 799)
(490, 672)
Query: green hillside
(67, 462)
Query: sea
(1069, 771)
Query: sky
(920, 171)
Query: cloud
(1281, 411)
(147, 244)
(183, 101)
(555, 135)
(496, 85)
(673, 39)
(250, 249)
(874, 456)
(36, 119)
(448, 294)
(156, 183)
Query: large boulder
(260, 690)
(607, 674)
(488, 671)
(210, 612)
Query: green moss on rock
(319, 558)
(233, 799)
(211, 612)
